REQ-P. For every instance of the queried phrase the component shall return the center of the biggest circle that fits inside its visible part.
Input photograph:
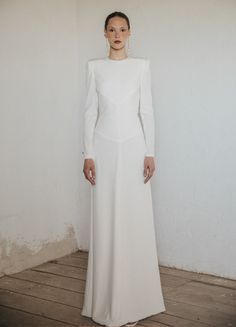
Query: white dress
(123, 280)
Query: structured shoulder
(90, 63)
(144, 62)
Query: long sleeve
(91, 112)
(146, 109)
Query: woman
(123, 281)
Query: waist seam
(119, 139)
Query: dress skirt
(123, 281)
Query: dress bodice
(119, 101)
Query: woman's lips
(117, 41)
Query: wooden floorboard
(51, 294)
(10, 317)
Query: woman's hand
(89, 170)
(149, 167)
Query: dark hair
(117, 14)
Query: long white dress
(123, 280)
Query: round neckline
(117, 60)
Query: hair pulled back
(116, 14)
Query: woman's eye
(111, 30)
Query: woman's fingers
(89, 171)
(149, 168)
(148, 174)
(93, 175)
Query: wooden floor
(51, 294)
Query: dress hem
(125, 322)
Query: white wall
(195, 79)
(44, 198)
(38, 131)
(192, 48)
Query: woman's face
(117, 32)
